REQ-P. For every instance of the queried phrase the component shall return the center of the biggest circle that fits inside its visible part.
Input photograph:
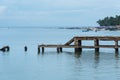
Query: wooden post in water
(77, 43)
(25, 48)
(38, 49)
(60, 49)
(42, 49)
(116, 47)
(96, 44)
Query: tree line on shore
(109, 21)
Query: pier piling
(38, 49)
(116, 46)
(60, 49)
(96, 44)
(42, 49)
(77, 43)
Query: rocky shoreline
(99, 28)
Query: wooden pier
(78, 43)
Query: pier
(77, 44)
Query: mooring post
(77, 43)
(25, 48)
(116, 47)
(96, 44)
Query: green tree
(109, 21)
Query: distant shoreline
(48, 27)
(99, 28)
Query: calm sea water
(20, 65)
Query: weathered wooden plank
(73, 46)
(106, 46)
(97, 37)
(69, 42)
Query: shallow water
(20, 65)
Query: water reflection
(117, 66)
(78, 54)
(97, 54)
(117, 54)
(41, 53)
(4, 53)
(96, 59)
(83, 65)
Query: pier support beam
(96, 44)
(78, 43)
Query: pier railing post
(77, 43)
(96, 44)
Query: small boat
(85, 30)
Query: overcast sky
(56, 12)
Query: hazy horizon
(56, 13)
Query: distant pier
(77, 40)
